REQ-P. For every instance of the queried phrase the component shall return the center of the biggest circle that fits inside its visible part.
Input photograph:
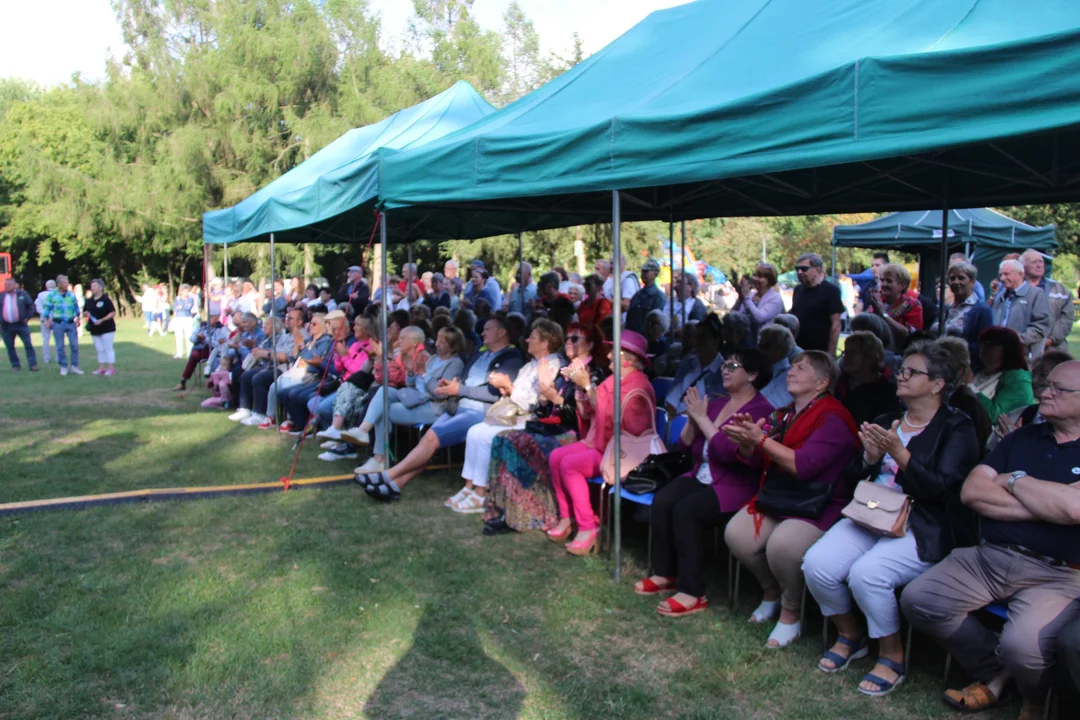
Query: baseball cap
(650, 266)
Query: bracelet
(761, 445)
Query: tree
(522, 53)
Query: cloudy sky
(49, 40)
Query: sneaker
(99, 371)
(110, 371)
(329, 445)
(268, 424)
(454, 500)
(74, 370)
(356, 436)
(254, 420)
(177, 357)
(63, 371)
(286, 427)
(332, 456)
(240, 415)
(472, 504)
(330, 433)
(372, 465)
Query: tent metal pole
(225, 270)
(206, 281)
(409, 277)
(944, 249)
(521, 275)
(384, 320)
(834, 262)
(273, 319)
(671, 284)
(616, 349)
(682, 274)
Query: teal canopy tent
(330, 197)
(769, 107)
(985, 235)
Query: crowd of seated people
(978, 430)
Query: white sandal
(784, 635)
(766, 611)
(452, 501)
(471, 503)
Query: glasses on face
(730, 366)
(574, 339)
(1056, 389)
(802, 268)
(906, 373)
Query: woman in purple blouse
(716, 489)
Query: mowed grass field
(323, 604)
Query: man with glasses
(817, 305)
(1027, 494)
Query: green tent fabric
(331, 195)
(763, 107)
(986, 234)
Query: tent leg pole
(384, 316)
(944, 249)
(206, 281)
(225, 269)
(671, 284)
(834, 276)
(682, 275)
(410, 277)
(521, 275)
(273, 322)
(616, 349)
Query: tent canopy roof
(915, 231)
(768, 107)
(331, 195)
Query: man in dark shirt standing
(1027, 494)
(818, 306)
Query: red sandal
(674, 608)
(648, 587)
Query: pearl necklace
(913, 425)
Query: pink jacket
(353, 361)
(637, 416)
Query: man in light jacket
(46, 334)
(1062, 313)
(1022, 307)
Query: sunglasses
(802, 268)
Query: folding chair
(645, 499)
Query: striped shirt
(61, 307)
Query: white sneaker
(356, 436)
(330, 433)
(452, 502)
(74, 370)
(471, 504)
(254, 419)
(63, 371)
(240, 415)
(331, 456)
(329, 444)
(372, 465)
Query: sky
(49, 40)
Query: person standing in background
(62, 317)
(16, 308)
(46, 336)
(817, 305)
(1062, 312)
(100, 314)
(183, 314)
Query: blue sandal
(884, 686)
(858, 647)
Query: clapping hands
(743, 430)
(877, 441)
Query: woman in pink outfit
(572, 465)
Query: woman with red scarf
(802, 450)
(896, 303)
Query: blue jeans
(452, 429)
(322, 408)
(12, 331)
(60, 330)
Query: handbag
(634, 448)
(657, 471)
(551, 425)
(784, 496)
(879, 509)
(504, 412)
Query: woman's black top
(98, 309)
(567, 412)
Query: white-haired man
(1058, 298)
(1022, 307)
(46, 334)
(518, 301)
(630, 285)
(63, 317)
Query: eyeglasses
(802, 268)
(574, 338)
(905, 373)
(731, 366)
(1056, 389)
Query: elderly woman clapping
(925, 453)
(802, 451)
(898, 306)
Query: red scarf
(793, 430)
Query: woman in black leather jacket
(925, 453)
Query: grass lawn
(321, 603)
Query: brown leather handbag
(879, 509)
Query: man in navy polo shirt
(1027, 492)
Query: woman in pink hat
(572, 465)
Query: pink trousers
(571, 467)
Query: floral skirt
(519, 479)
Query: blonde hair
(899, 273)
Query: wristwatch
(1013, 477)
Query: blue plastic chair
(662, 386)
(661, 423)
(674, 430)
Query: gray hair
(813, 258)
(451, 263)
(661, 317)
(526, 266)
(50, 284)
(1014, 265)
(777, 334)
(872, 323)
(62, 276)
(250, 317)
(99, 281)
(940, 364)
(965, 267)
(959, 352)
(412, 331)
(788, 321)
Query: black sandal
(379, 489)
